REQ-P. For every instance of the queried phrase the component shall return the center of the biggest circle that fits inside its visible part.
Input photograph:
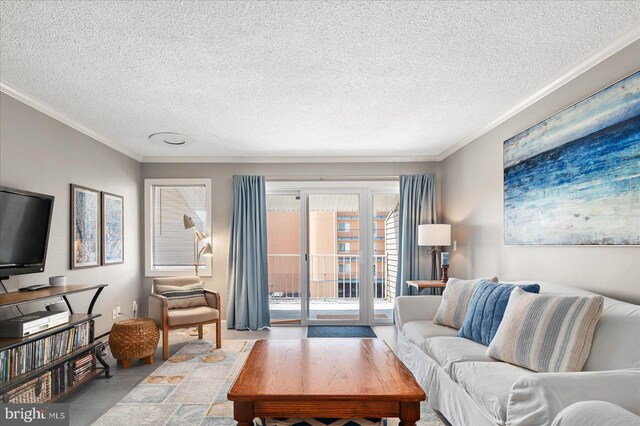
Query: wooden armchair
(175, 318)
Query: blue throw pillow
(486, 309)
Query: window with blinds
(172, 247)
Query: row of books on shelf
(67, 374)
(38, 353)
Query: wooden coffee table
(335, 378)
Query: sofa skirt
(443, 394)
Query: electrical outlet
(114, 315)
(117, 311)
(135, 309)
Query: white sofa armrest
(415, 308)
(537, 398)
(595, 413)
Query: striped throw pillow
(455, 301)
(185, 296)
(546, 333)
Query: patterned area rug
(190, 388)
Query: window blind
(172, 245)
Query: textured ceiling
(282, 79)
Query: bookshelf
(74, 319)
(80, 346)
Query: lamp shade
(188, 222)
(207, 250)
(434, 235)
(199, 235)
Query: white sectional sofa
(470, 388)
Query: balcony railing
(332, 277)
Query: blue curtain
(248, 279)
(417, 207)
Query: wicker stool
(134, 339)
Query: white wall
(221, 176)
(40, 154)
(472, 199)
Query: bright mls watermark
(34, 414)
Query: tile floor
(97, 397)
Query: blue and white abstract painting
(574, 178)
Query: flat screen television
(25, 219)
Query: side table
(421, 285)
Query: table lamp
(435, 236)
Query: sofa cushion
(187, 316)
(486, 309)
(447, 351)
(455, 300)
(419, 331)
(488, 384)
(546, 332)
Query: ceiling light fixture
(168, 138)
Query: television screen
(25, 218)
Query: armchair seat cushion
(195, 315)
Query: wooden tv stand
(15, 298)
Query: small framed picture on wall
(85, 227)
(112, 229)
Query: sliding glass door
(332, 254)
(285, 257)
(333, 247)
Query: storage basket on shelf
(135, 338)
(34, 391)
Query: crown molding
(268, 160)
(57, 115)
(565, 77)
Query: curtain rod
(329, 178)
